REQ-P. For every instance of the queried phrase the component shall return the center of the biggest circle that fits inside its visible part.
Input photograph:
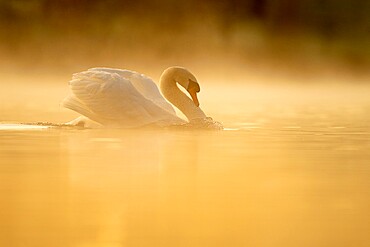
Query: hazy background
(219, 40)
(277, 62)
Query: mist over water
(288, 80)
(291, 159)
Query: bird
(123, 98)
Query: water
(288, 170)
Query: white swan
(123, 98)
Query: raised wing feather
(110, 99)
(143, 84)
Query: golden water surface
(291, 168)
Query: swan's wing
(145, 85)
(109, 99)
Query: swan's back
(112, 100)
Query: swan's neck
(174, 95)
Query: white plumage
(123, 98)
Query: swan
(123, 98)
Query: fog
(221, 41)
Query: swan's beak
(193, 89)
(193, 94)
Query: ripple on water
(22, 127)
(200, 123)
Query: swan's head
(187, 80)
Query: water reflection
(183, 188)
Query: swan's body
(123, 98)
